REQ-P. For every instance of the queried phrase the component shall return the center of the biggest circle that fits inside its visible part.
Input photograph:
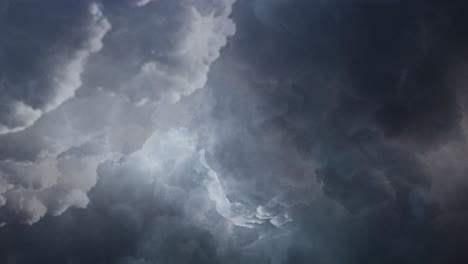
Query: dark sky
(229, 132)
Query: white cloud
(142, 2)
(63, 78)
(52, 165)
(185, 67)
(30, 190)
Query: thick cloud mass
(326, 132)
(50, 165)
(43, 55)
(169, 47)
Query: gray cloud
(327, 132)
(50, 165)
(168, 56)
(40, 72)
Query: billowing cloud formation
(43, 56)
(327, 132)
(50, 186)
(168, 56)
(50, 165)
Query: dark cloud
(48, 164)
(327, 132)
(140, 212)
(370, 97)
(43, 52)
(168, 56)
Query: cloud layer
(49, 164)
(325, 132)
(43, 57)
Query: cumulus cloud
(56, 168)
(48, 186)
(328, 132)
(40, 72)
(169, 55)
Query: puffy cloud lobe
(57, 167)
(62, 170)
(42, 60)
(32, 187)
(49, 186)
(169, 53)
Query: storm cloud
(43, 56)
(199, 131)
(50, 164)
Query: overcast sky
(233, 132)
